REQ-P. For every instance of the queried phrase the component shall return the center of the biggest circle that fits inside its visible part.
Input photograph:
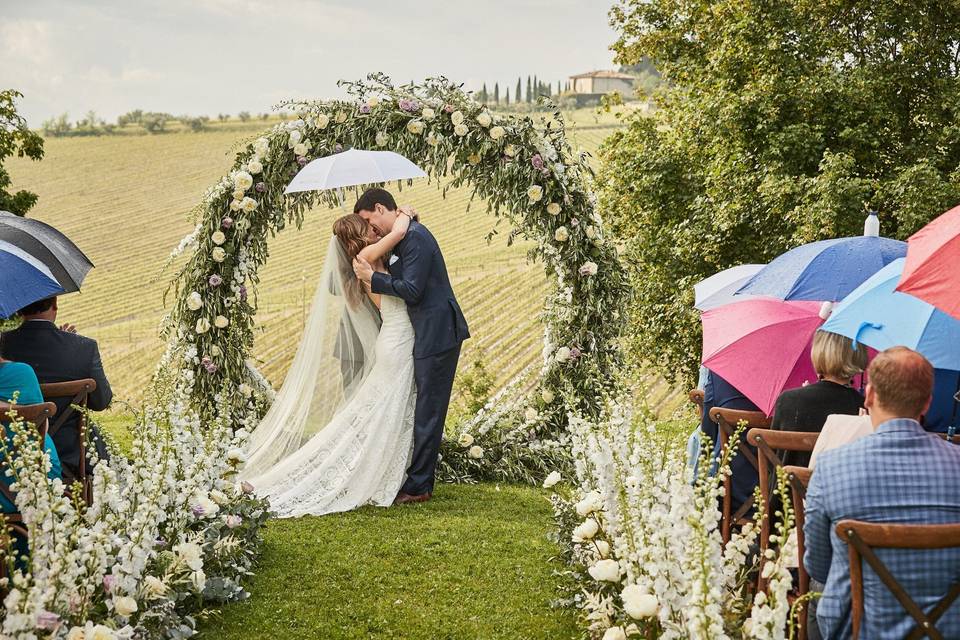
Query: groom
(419, 276)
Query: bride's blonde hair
(352, 230)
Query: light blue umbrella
(23, 279)
(880, 317)
(718, 289)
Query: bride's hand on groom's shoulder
(409, 211)
(402, 223)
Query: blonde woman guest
(836, 362)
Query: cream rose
(553, 209)
(585, 530)
(374, 102)
(300, 149)
(125, 606)
(218, 237)
(381, 139)
(510, 151)
(590, 503)
(484, 119)
(254, 167)
(603, 547)
(203, 325)
(589, 269)
(154, 587)
(99, 632)
(234, 205)
(242, 180)
(615, 633)
(561, 234)
(605, 571)
(591, 232)
(218, 254)
(321, 121)
(473, 159)
(638, 603)
(249, 205)
(547, 396)
(261, 146)
(340, 117)
(432, 140)
(531, 414)
(221, 322)
(194, 301)
(415, 127)
(461, 130)
(245, 390)
(76, 633)
(428, 114)
(465, 440)
(563, 354)
(535, 193)
(497, 132)
(294, 139)
(476, 452)
(215, 351)
(551, 480)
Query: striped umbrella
(23, 279)
(64, 260)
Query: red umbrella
(930, 272)
(761, 346)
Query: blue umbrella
(827, 270)
(880, 317)
(23, 279)
(718, 289)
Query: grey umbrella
(66, 262)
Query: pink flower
(537, 161)
(48, 621)
(575, 353)
(215, 280)
(574, 222)
(261, 187)
(227, 222)
(109, 580)
(364, 108)
(232, 521)
(338, 148)
(301, 161)
(243, 292)
(246, 487)
(449, 108)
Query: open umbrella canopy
(881, 317)
(718, 289)
(933, 256)
(353, 167)
(761, 346)
(65, 261)
(827, 270)
(23, 279)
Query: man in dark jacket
(60, 354)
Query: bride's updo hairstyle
(351, 230)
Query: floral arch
(526, 171)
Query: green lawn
(474, 562)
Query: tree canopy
(779, 122)
(15, 139)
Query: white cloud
(25, 41)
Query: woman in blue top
(19, 377)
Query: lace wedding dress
(359, 455)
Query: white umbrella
(718, 289)
(353, 167)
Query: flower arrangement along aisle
(525, 171)
(643, 542)
(169, 534)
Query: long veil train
(335, 355)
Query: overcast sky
(205, 57)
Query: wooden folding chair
(863, 537)
(78, 393)
(954, 439)
(799, 478)
(727, 422)
(696, 397)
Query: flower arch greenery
(525, 171)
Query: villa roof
(603, 74)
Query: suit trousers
(434, 379)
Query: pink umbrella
(761, 346)
(931, 269)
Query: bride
(340, 432)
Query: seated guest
(898, 474)
(840, 430)
(18, 379)
(60, 355)
(806, 408)
(718, 393)
(943, 409)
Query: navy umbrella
(65, 261)
(23, 279)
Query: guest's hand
(69, 328)
(362, 269)
(409, 211)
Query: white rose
(381, 139)
(236, 456)
(341, 116)
(254, 167)
(585, 530)
(589, 268)
(300, 149)
(553, 209)
(563, 354)
(321, 121)
(428, 114)
(590, 503)
(591, 232)
(154, 587)
(203, 325)
(561, 234)
(551, 480)
(221, 322)
(547, 396)
(465, 440)
(456, 117)
(535, 193)
(249, 205)
(415, 127)
(638, 603)
(461, 130)
(510, 151)
(295, 138)
(531, 414)
(125, 606)
(603, 547)
(497, 132)
(238, 194)
(476, 452)
(242, 180)
(218, 237)
(432, 140)
(261, 146)
(99, 632)
(605, 571)
(218, 254)
(76, 633)
(234, 205)
(191, 554)
(615, 633)
(245, 390)
(194, 301)
(484, 119)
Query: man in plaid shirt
(898, 474)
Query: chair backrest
(696, 397)
(863, 537)
(799, 478)
(728, 421)
(78, 391)
(768, 442)
(38, 415)
(954, 439)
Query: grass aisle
(472, 563)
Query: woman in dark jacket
(806, 409)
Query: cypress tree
(496, 92)
(483, 94)
(506, 100)
(529, 91)
(518, 94)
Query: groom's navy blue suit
(419, 276)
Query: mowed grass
(126, 201)
(474, 562)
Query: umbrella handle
(863, 326)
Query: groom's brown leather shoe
(406, 498)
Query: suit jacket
(898, 474)
(419, 276)
(806, 409)
(59, 356)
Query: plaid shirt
(899, 474)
